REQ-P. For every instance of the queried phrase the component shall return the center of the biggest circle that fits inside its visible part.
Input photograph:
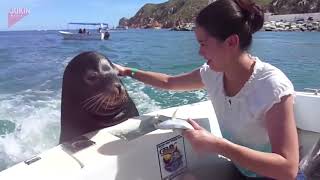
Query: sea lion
(93, 96)
(310, 164)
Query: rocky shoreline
(290, 22)
(291, 26)
(313, 26)
(184, 27)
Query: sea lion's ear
(114, 67)
(111, 64)
(105, 57)
(116, 71)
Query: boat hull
(135, 150)
(306, 108)
(84, 36)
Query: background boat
(100, 33)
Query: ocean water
(32, 65)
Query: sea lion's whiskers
(124, 98)
(90, 103)
(101, 102)
(114, 98)
(105, 102)
(97, 104)
(121, 100)
(125, 95)
(111, 101)
(108, 100)
(89, 100)
(115, 101)
(93, 105)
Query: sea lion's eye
(105, 67)
(92, 77)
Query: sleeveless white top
(242, 117)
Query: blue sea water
(32, 65)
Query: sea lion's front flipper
(310, 164)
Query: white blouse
(242, 117)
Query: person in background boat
(253, 100)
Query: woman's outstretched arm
(187, 81)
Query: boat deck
(135, 150)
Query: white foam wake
(36, 117)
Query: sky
(55, 14)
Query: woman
(253, 100)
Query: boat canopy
(92, 24)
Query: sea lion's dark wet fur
(93, 96)
(310, 164)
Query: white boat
(100, 33)
(121, 28)
(134, 150)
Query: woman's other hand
(201, 140)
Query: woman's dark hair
(223, 18)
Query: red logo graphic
(16, 14)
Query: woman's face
(213, 50)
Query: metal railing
(315, 91)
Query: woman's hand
(122, 71)
(202, 140)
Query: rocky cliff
(165, 15)
(294, 6)
(178, 12)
